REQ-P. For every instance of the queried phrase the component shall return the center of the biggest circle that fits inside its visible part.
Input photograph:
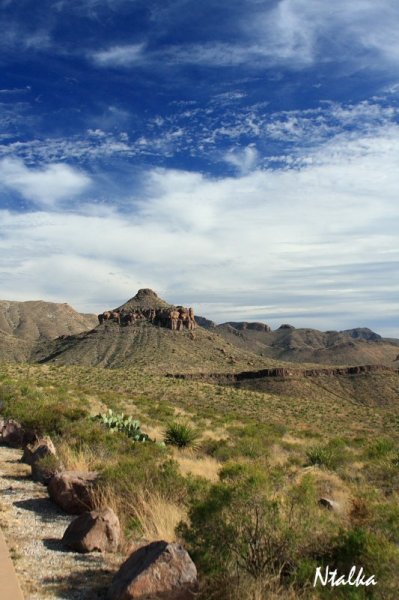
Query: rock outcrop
(95, 531)
(175, 318)
(71, 491)
(146, 305)
(284, 373)
(246, 325)
(154, 572)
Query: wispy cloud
(292, 33)
(119, 56)
(225, 130)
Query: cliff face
(287, 373)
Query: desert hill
(353, 346)
(147, 332)
(25, 324)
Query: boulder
(71, 491)
(34, 452)
(43, 470)
(13, 434)
(95, 531)
(156, 571)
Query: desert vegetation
(261, 488)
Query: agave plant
(181, 435)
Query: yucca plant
(181, 435)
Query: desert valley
(246, 458)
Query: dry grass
(331, 486)
(157, 516)
(76, 460)
(204, 466)
(219, 433)
(278, 456)
(155, 432)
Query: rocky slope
(148, 345)
(23, 325)
(354, 346)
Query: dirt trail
(33, 527)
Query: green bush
(40, 410)
(241, 527)
(361, 547)
(380, 448)
(181, 435)
(330, 455)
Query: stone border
(9, 585)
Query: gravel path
(33, 527)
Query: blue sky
(241, 157)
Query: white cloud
(119, 56)
(297, 33)
(45, 186)
(304, 31)
(315, 245)
(244, 160)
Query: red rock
(154, 572)
(95, 531)
(71, 491)
(34, 452)
(13, 434)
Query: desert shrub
(222, 450)
(145, 473)
(44, 412)
(384, 474)
(395, 460)
(361, 547)
(241, 530)
(331, 455)
(181, 435)
(255, 439)
(252, 441)
(380, 448)
(146, 467)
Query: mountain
(144, 299)
(148, 332)
(140, 333)
(352, 346)
(23, 325)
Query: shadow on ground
(91, 584)
(43, 507)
